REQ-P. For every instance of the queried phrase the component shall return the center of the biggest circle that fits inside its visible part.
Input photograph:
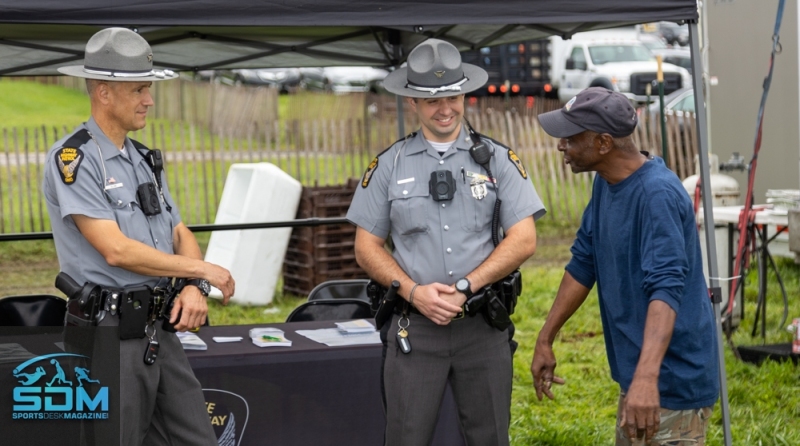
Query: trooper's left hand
(192, 307)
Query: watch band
(202, 284)
(468, 291)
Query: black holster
(385, 307)
(500, 300)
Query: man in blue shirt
(638, 241)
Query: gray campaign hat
(434, 70)
(597, 109)
(118, 54)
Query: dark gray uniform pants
(163, 403)
(473, 356)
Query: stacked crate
(320, 253)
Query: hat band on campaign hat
(157, 73)
(433, 90)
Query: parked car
(314, 79)
(355, 79)
(677, 103)
(284, 79)
(673, 33)
(653, 42)
(681, 57)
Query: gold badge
(150, 58)
(515, 159)
(439, 74)
(68, 160)
(368, 174)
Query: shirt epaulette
(494, 141)
(80, 138)
(138, 145)
(409, 136)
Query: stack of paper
(335, 337)
(269, 337)
(358, 326)
(191, 341)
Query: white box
(254, 193)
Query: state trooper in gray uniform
(437, 203)
(106, 235)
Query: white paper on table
(191, 341)
(356, 326)
(332, 337)
(227, 338)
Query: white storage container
(253, 193)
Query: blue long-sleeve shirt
(638, 240)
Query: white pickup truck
(612, 60)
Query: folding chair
(36, 310)
(340, 289)
(330, 310)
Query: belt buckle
(461, 313)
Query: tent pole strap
(708, 218)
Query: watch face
(205, 287)
(462, 285)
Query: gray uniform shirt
(440, 241)
(100, 182)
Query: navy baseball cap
(597, 109)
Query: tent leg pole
(401, 119)
(708, 218)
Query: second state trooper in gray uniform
(437, 203)
(107, 232)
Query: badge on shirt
(478, 188)
(515, 159)
(68, 160)
(368, 174)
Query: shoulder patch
(515, 159)
(368, 174)
(68, 160)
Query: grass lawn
(764, 400)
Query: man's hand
(221, 278)
(192, 307)
(543, 368)
(456, 298)
(432, 302)
(641, 409)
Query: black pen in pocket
(463, 177)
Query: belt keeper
(411, 294)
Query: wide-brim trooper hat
(118, 54)
(434, 70)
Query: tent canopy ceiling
(37, 36)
